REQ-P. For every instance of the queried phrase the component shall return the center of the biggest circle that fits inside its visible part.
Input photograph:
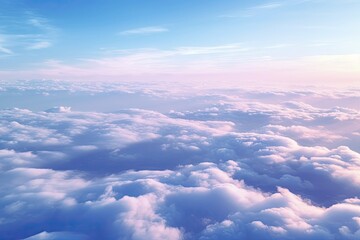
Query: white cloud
(144, 30)
(230, 63)
(231, 48)
(270, 5)
(235, 168)
(57, 236)
(27, 32)
(40, 45)
(5, 50)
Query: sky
(179, 120)
(266, 42)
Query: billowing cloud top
(224, 164)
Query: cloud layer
(254, 165)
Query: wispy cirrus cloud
(28, 31)
(5, 50)
(251, 11)
(227, 48)
(256, 9)
(45, 38)
(271, 5)
(40, 45)
(233, 62)
(144, 30)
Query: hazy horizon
(285, 42)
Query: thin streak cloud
(271, 5)
(27, 31)
(144, 30)
(40, 45)
(5, 50)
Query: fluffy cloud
(193, 201)
(249, 165)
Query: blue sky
(228, 39)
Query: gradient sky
(276, 41)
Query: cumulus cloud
(251, 165)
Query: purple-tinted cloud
(243, 165)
